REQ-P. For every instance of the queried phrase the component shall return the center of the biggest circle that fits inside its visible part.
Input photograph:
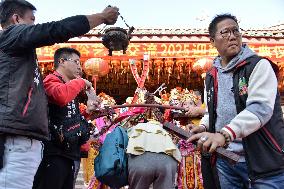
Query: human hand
(88, 84)
(110, 15)
(92, 106)
(193, 111)
(195, 129)
(93, 102)
(208, 142)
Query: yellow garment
(88, 165)
(196, 121)
(151, 137)
(190, 175)
(88, 169)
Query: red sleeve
(62, 93)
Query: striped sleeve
(262, 89)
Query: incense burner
(116, 39)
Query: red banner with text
(157, 50)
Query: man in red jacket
(56, 170)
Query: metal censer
(116, 38)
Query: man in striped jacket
(244, 113)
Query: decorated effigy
(152, 124)
(189, 171)
(99, 123)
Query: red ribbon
(139, 80)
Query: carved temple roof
(273, 34)
(273, 31)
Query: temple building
(178, 57)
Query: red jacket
(61, 93)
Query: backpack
(111, 162)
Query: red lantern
(96, 67)
(202, 65)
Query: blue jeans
(22, 157)
(236, 177)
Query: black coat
(23, 103)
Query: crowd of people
(24, 103)
(43, 128)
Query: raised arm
(33, 36)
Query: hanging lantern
(125, 64)
(180, 62)
(168, 68)
(158, 62)
(96, 67)
(115, 63)
(188, 65)
(179, 67)
(202, 65)
(169, 62)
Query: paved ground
(80, 180)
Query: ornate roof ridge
(266, 32)
(277, 27)
(276, 31)
(161, 31)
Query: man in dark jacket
(62, 88)
(244, 113)
(23, 104)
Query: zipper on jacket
(272, 139)
(28, 102)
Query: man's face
(28, 18)
(227, 40)
(72, 66)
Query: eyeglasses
(226, 33)
(78, 62)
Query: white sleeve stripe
(229, 132)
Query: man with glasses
(23, 104)
(244, 113)
(57, 168)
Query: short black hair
(10, 7)
(64, 52)
(218, 18)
